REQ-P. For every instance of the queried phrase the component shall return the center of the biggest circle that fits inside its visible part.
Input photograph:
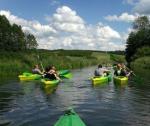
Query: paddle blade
(68, 75)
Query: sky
(76, 24)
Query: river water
(32, 104)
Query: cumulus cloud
(125, 17)
(142, 7)
(67, 30)
(106, 32)
(131, 2)
(67, 20)
(139, 6)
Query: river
(32, 104)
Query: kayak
(70, 118)
(29, 76)
(120, 79)
(99, 80)
(50, 82)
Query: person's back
(36, 70)
(98, 71)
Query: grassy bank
(141, 66)
(14, 63)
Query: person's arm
(39, 71)
(129, 73)
(57, 77)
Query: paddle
(40, 62)
(136, 78)
(68, 75)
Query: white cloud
(106, 32)
(123, 17)
(131, 2)
(54, 2)
(67, 30)
(32, 26)
(67, 20)
(142, 7)
(139, 6)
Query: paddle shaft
(40, 62)
(130, 70)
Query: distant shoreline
(15, 63)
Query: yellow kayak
(29, 76)
(99, 80)
(50, 82)
(120, 79)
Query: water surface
(32, 104)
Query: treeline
(12, 38)
(138, 42)
(116, 52)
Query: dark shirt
(50, 76)
(120, 73)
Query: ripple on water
(27, 104)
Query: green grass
(14, 63)
(141, 66)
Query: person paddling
(121, 71)
(51, 74)
(36, 70)
(100, 71)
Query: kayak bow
(70, 118)
(50, 82)
(101, 79)
(29, 76)
(120, 79)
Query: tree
(138, 38)
(31, 42)
(141, 23)
(17, 38)
(12, 38)
(4, 33)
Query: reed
(14, 63)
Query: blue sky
(92, 11)
(49, 20)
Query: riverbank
(14, 63)
(141, 66)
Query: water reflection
(31, 103)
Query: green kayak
(120, 79)
(70, 118)
(29, 76)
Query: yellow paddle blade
(68, 75)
